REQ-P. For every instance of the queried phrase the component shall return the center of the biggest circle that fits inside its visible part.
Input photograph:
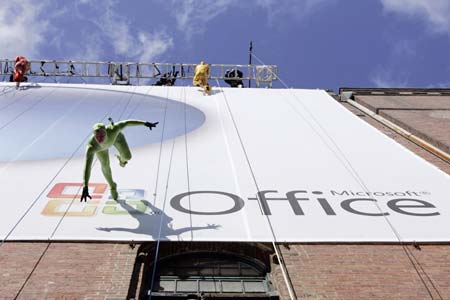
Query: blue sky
(315, 43)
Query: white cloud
(278, 9)
(23, 28)
(153, 45)
(439, 85)
(192, 16)
(33, 27)
(404, 48)
(91, 49)
(125, 41)
(435, 12)
(385, 78)
(392, 73)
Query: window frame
(206, 258)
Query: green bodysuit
(113, 137)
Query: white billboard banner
(238, 165)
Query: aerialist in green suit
(103, 138)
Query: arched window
(208, 275)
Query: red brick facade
(427, 117)
(65, 270)
(368, 272)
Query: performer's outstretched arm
(87, 172)
(122, 124)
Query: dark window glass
(211, 273)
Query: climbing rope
(34, 202)
(95, 160)
(13, 100)
(269, 223)
(155, 260)
(155, 194)
(49, 183)
(186, 153)
(7, 89)
(356, 176)
(25, 110)
(44, 133)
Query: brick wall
(401, 140)
(367, 272)
(65, 270)
(427, 117)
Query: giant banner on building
(238, 165)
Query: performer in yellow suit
(201, 75)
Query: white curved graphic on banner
(46, 123)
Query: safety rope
(46, 187)
(160, 149)
(283, 268)
(32, 271)
(155, 260)
(43, 133)
(139, 103)
(7, 89)
(68, 208)
(6, 70)
(13, 101)
(161, 220)
(187, 159)
(155, 194)
(54, 231)
(25, 110)
(95, 160)
(353, 172)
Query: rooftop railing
(124, 72)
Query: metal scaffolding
(123, 72)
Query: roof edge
(396, 91)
